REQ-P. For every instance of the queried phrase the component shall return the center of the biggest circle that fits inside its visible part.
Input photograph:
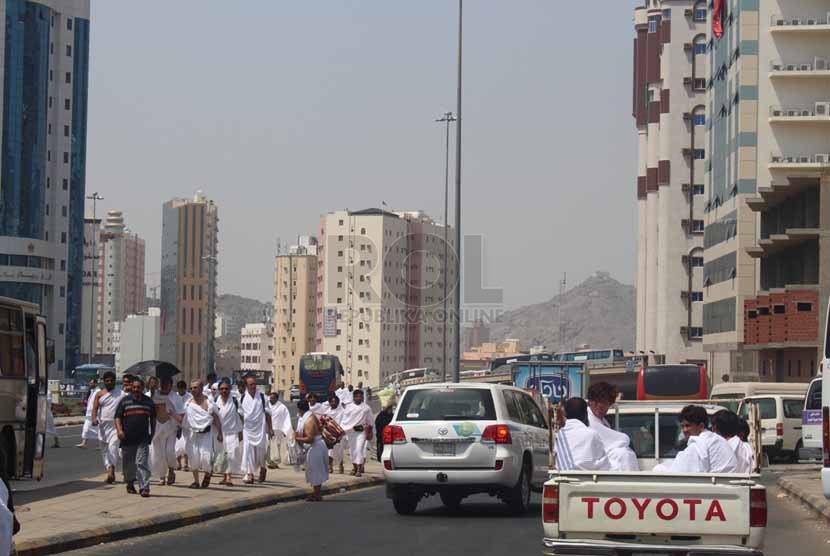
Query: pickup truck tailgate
(654, 504)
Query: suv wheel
(518, 498)
(404, 505)
(451, 500)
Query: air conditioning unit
(781, 22)
(689, 12)
(687, 80)
(795, 21)
(687, 116)
(805, 67)
(776, 113)
(823, 158)
(821, 64)
(688, 46)
(776, 67)
(823, 109)
(806, 113)
(803, 160)
(775, 159)
(789, 159)
(790, 67)
(812, 21)
(792, 113)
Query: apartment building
(295, 310)
(669, 107)
(767, 258)
(257, 347)
(380, 293)
(190, 230)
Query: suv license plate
(443, 448)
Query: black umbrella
(160, 369)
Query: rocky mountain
(237, 311)
(600, 312)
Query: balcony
(774, 243)
(818, 162)
(819, 113)
(817, 68)
(804, 24)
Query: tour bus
(24, 361)
(686, 381)
(319, 374)
(594, 357)
(825, 409)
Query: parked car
(780, 423)
(294, 393)
(456, 440)
(811, 435)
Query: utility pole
(456, 374)
(93, 321)
(447, 118)
(563, 283)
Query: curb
(74, 423)
(816, 503)
(169, 521)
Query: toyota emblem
(443, 431)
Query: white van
(780, 423)
(811, 422)
(732, 392)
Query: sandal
(206, 481)
(171, 477)
(194, 485)
(262, 474)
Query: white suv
(456, 440)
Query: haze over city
(283, 111)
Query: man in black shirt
(135, 421)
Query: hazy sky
(283, 110)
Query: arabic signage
(556, 381)
(330, 322)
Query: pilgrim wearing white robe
(580, 448)
(336, 453)
(706, 453)
(107, 433)
(231, 427)
(163, 446)
(6, 522)
(348, 398)
(357, 416)
(744, 455)
(318, 409)
(179, 402)
(317, 462)
(254, 434)
(89, 432)
(200, 441)
(281, 425)
(617, 445)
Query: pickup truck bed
(646, 514)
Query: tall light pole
(94, 278)
(447, 118)
(456, 373)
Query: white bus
(825, 409)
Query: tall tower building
(669, 107)
(380, 293)
(91, 287)
(295, 310)
(45, 67)
(190, 229)
(767, 272)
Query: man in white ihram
(726, 423)
(706, 452)
(256, 430)
(579, 447)
(103, 417)
(601, 396)
(163, 447)
(357, 424)
(89, 432)
(281, 425)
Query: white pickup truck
(589, 513)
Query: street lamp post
(94, 277)
(447, 118)
(456, 374)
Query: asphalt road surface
(364, 523)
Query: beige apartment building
(669, 107)
(190, 229)
(295, 311)
(257, 347)
(380, 293)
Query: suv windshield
(640, 429)
(447, 404)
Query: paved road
(364, 523)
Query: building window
(63, 264)
(700, 48)
(700, 119)
(803, 307)
(699, 154)
(63, 237)
(68, 78)
(779, 309)
(69, 50)
(69, 23)
(697, 261)
(65, 184)
(63, 211)
(698, 189)
(700, 14)
(697, 225)
(696, 332)
(697, 296)
(66, 131)
(652, 25)
(60, 329)
(67, 104)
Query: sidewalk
(807, 488)
(105, 513)
(69, 421)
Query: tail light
(500, 434)
(550, 504)
(758, 507)
(779, 429)
(393, 434)
(387, 464)
(825, 435)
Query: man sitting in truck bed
(579, 447)
(601, 396)
(706, 452)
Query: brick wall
(791, 316)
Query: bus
(594, 357)
(505, 364)
(687, 381)
(319, 374)
(24, 363)
(75, 387)
(824, 403)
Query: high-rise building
(45, 68)
(190, 230)
(121, 290)
(137, 339)
(257, 347)
(767, 273)
(669, 107)
(91, 288)
(380, 293)
(295, 310)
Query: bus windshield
(672, 381)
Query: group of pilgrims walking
(215, 428)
